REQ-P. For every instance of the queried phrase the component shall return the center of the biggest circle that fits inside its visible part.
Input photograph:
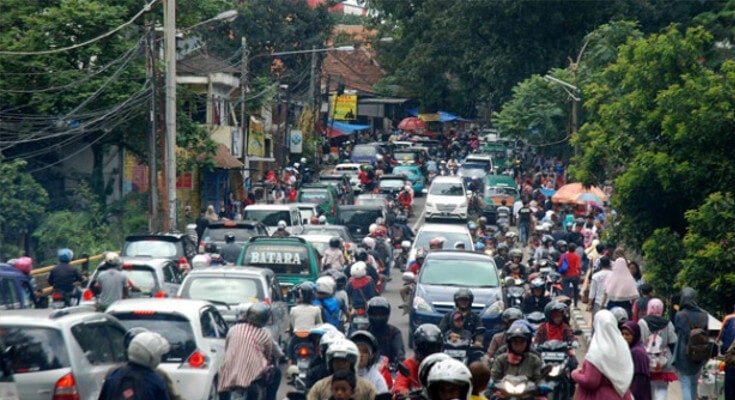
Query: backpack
(698, 347)
(130, 386)
(564, 266)
(331, 309)
(658, 351)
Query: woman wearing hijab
(689, 315)
(620, 287)
(640, 388)
(662, 372)
(607, 370)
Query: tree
(23, 202)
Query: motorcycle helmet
(378, 311)
(368, 242)
(65, 255)
(201, 261)
(483, 221)
(511, 235)
(547, 240)
(427, 339)
(258, 314)
(372, 228)
(472, 226)
(335, 242)
(229, 237)
(281, 225)
(406, 244)
(450, 371)
(561, 245)
(322, 220)
(426, 365)
(502, 247)
(463, 293)
(554, 254)
(303, 160)
(479, 246)
(518, 330)
(516, 253)
(361, 255)
(358, 270)
(147, 348)
(343, 349)
(554, 306)
(24, 265)
(363, 336)
(111, 259)
(537, 283)
(340, 279)
(325, 285)
(511, 315)
(329, 337)
(305, 292)
(421, 253)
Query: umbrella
(547, 192)
(411, 124)
(571, 191)
(587, 197)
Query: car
(392, 184)
(410, 155)
(343, 185)
(325, 197)
(152, 277)
(373, 199)
(178, 247)
(307, 211)
(483, 159)
(352, 171)
(414, 175)
(442, 273)
(270, 214)
(496, 189)
(451, 233)
(366, 153)
(8, 388)
(62, 354)
(471, 171)
(196, 332)
(499, 153)
(333, 230)
(15, 289)
(446, 198)
(292, 259)
(358, 219)
(232, 289)
(213, 237)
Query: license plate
(303, 363)
(455, 353)
(553, 356)
(445, 213)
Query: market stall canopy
(441, 116)
(337, 129)
(571, 192)
(411, 124)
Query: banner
(345, 107)
(256, 138)
(236, 147)
(297, 140)
(430, 117)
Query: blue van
(366, 153)
(15, 289)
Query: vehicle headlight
(555, 371)
(510, 388)
(463, 204)
(419, 304)
(494, 309)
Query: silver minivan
(270, 214)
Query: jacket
(530, 367)
(322, 390)
(471, 321)
(154, 385)
(248, 350)
(360, 291)
(63, 276)
(411, 382)
(391, 342)
(592, 385)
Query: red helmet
(380, 231)
(24, 265)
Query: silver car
(233, 289)
(196, 332)
(61, 353)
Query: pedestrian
(620, 287)
(641, 304)
(524, 222)
(659, 337)
(111, 283)
(635, 270)
(640, 388)
(570, 277)
(210, 214)
(688, 317)
(726, 338)
(607, 370)
(65, 277)
(201, 223)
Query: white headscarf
(609, 352)
(620, 284)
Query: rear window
(175, 328)
(101, 342)
(268, 217)
(230, 290)
(405, 155)
(446, 189)
(150, 248)
(359, 218)
(34, 348)
(454, 272)
(391, 183)
(143, 277)
(282, 259)
(314, 196)
(217, 233)
(363, 151)
(501, 191)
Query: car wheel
(213, 395)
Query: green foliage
(22, 200)
(663, 250)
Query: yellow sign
(345, 107)
(256, 138)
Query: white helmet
(296, 165)
(368, 242)
(406, 244)
(358, 270)
(407, 188)
(112, 258)
(325, 284)
(343, 349)
(282, 224)
(451, 371)
(303, 160)
(427, 363)
(146, 349)
(372, 228)
(322, 219)
(328, 338)
(201, 261)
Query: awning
(443, 115)
(337, 129)
(224, 160)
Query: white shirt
(597, 285)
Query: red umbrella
(411, 124)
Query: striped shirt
(247, 351)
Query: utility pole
(150, 57)
(314, 110)
(170, 154)
(244, 120)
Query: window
(151, 248)
(168, 275)
(175, 328)
(268, 217)
(228, 290)
(101, 342)
(11, 299)
(35, 349)
(208, 326)
(470, 273)
(446, 189)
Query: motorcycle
(557, 368)
(409, 283)
(553, 281)
(535, 318)
(515, 387)
(464, 349)
(303, 354)
(60, 299)
(402, 258)
(514, 292)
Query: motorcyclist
(463, 298)
(405, 198)
(482, 226)
(449, 379)
(304, 316)
(230, 251)
(281, 230)
(372, 366)
(427, 340)
(541, 252)
(509, 316)
(536, 299)
(555, 328)
(503, 212)
(389, 337)
(400, 231)
(502, 254)
(334, 256)
(514, 268)
(372, 265)
(340, 280)
(360, 288)
(331, 310)
(415, 265)
(472, 227)
(518, 359)
(342, 355)
(65, 278)
(322, 336)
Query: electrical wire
(145, 9)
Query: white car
(351, 170)
(270, 214)
(446, 198)
(196, 332)
(451, 233)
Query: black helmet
(537, 283)
(482, 221)
(547, 239)
(305, 292)
(402, 219)
(511, 315)
(229, 237)
(361, 255)
(335, 242)
(560, 244)
(516, 253)
(258, 314)
(463, 293)
(366, 337)
(518, 330)
(554, 255)
(502, 246)
(339, 278)
(378, 311)
(427, 339)
(555, 306)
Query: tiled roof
(202, 64)
(357, 69)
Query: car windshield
(454, 272)
(359, 218)
(405, 155)
(268, 217)
(217, 234)
(326, 230)
(404, 170)
(364, 151)
(314, 196)
(319, 245)
(175, 328)
(227, 289)
(150, 248)
(491, 191)
(280, 258)
(423, 238)
(391, 183)
(34, 349)
(470, 172)
(446, 189)
(306, 213)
